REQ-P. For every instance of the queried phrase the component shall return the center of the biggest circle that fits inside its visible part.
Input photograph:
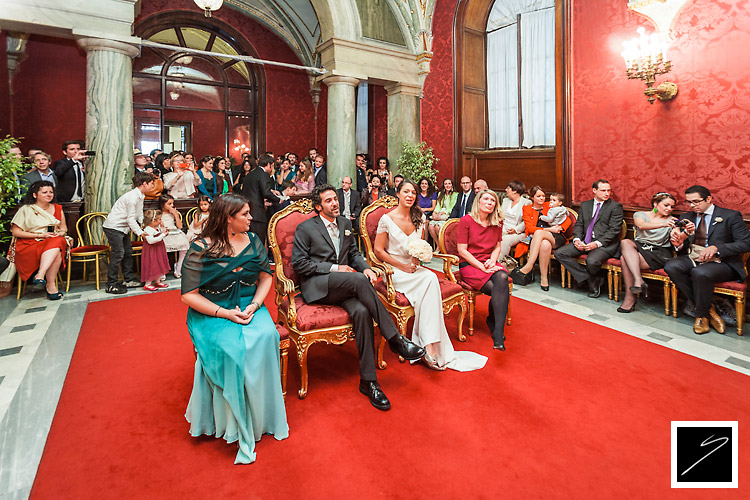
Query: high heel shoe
(623, 310)
(432, 363)
(637, 290)
(54, 296)
(544, 287)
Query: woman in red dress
(39, 231)
(478, 238)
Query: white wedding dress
(423, 291)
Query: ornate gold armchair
(395, 302)
(307, 323)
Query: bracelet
(257, 306)
(216, 313)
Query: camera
(682, 224)
(89, 153)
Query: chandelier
(209, 5)
(645, 58)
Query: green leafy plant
(417, 161)
(11, 170)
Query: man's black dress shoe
(595, 287)
(406, 348)
(373, 391)
(500, 346)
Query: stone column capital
(409, 89)
(341, 80)
(89, 44)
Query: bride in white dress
(420, 285)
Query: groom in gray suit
(332, 271)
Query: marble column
(403, 118)
(109, 121)
(342, 141)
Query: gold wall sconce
(645, 58)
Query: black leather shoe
(406, 348)
(377, 397)
(595, 287)
(500, 346)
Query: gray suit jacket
(313, 255)
(31, 177)
(607, 226)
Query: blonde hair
(150, 215)
(495, 217)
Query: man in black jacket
(711, 244)
(464, 201)
(256, 187)
(362, 182)
(350, 202)
(321, 171)
(596, 233)
(69, 172)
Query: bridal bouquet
(421, 250)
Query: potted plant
(417, 161)
(11, 170)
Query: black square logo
(704, 454)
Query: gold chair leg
(570, 278)
(739, 307)
(674, 300)
(381, 362)
(67, 287)
(667, 298)
(20, 284)
(284, 366)
(562, 276)
(461, 314)
(302, 359)
(470, 299)
(610, 279)
(507, 316)
(97, 272)
(84, 273)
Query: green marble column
(109, 121)
(342, 141)
(403, 118)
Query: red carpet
(571, 410)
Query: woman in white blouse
(514, 229)
(181, 181)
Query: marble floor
(37, 338)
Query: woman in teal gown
(237, 386)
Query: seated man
(711, 244)
(464, 201)
(597, 233)
(332, 271)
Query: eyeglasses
(695, 202)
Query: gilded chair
(396, 302)
(91, 244)
(730, 288)
(448, 244)
(190, 215)
(307, 323)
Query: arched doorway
(202, 104)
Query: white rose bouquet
(420, 249)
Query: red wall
(50, 94)
(208, 130)
(437, 103)
(702, 136)
(379, 124)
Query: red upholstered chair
(395, 302)
(447, 242)
(91, 244)
(306, 323)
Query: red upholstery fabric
(372, 220)
(401, 299)
(285, 238)
(660, 272)
(732, 285)
(314, 316)
(88, 248)
(283, 332)
(569, 232)
(451, 247)
(613, 262)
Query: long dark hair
(443, 193)
(430, 188)
(415, 213)
(29, 199)
(215, 228)
(163, 199)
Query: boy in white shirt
(126, 215)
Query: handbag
(695, 252)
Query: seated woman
(445, 201)
(305, 180)
(427, 198)
(181, 181)
(285, 172)
(514, 229)
(479, 237)
(650, 249)
(39, 230)
(396, 230)
(237, 391)
(543, 240)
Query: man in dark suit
(256, 187)
(464, 201)
(332, 271)
(70, 172)
(42, 172)
(362, 182)
(350, 203)
(711, 245)
(596, 233)
(321, 172)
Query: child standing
(175, 240)
(557, 213)
(204, 205)
(154, 260)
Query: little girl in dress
(154, 260)
(204, 206)
(175, 240)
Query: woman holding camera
(649, 250)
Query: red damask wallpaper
(437, 103)
(702, 136)
(290, 123)
(379, 123)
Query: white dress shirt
(513, 215)
(333, 231)
(127, 213)
(347, 203)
